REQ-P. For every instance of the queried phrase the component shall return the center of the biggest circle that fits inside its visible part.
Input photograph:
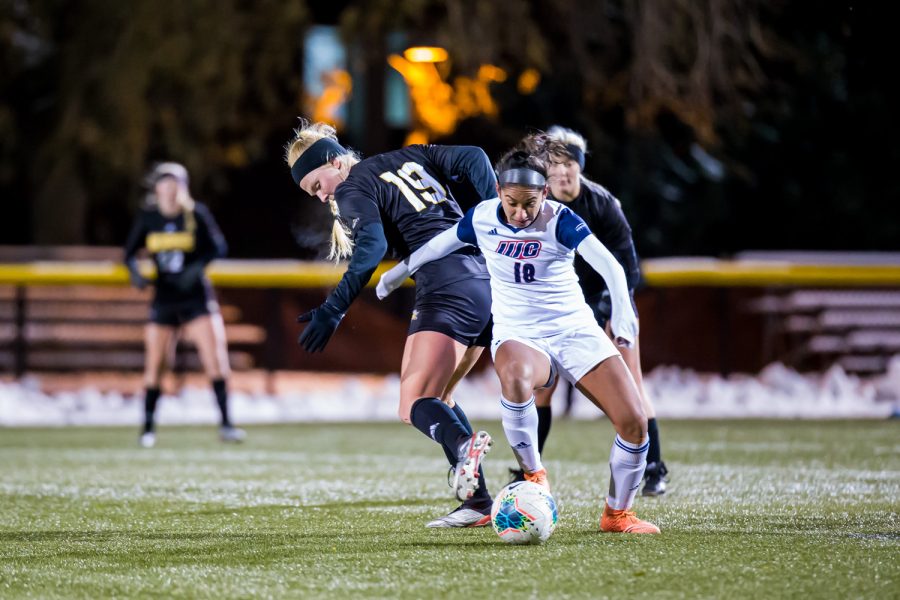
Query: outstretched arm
(573, 232)
(624, 322)
(370, 245)
(437, 247)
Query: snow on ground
(776, 392)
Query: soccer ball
(524, 513)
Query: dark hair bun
(520, 158)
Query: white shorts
(572, 353)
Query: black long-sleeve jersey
(603, 214)
(180, 247)
(399, 200)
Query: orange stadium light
(425, 54)
(528, 81)
(337, 85)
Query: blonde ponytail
(341, 242)
(304, 137)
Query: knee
(633, 427)
(516, 380)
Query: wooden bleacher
(858, 329)
(820, 309)
(65, 328)
(69, 328)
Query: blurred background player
(397, 201)
(563, 151)
(542, 325)
(182, 238)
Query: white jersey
(534, 288)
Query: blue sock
(458, 411)
(440, 423)
(481, 494)
(545, 418)
(655, 452)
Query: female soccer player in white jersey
(563, 151)
(543, 326)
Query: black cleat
(655, 479)
(516, 475)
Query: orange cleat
(624, 521)
(540, 478)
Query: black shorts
(461, 310)
(176, 314)
(601, 305)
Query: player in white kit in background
(543, 326)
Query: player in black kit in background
(396, 202)
(182, 238)
(564, 150)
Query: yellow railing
(668, 272)
(224, 273)
(708, 272)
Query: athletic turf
(755, 510)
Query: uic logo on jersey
(519, 248)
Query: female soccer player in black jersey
(564, 150)
(396, 202)
(182, 238)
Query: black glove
(189, 277)
(322, 323)
(137, 280)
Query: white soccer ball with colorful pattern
(524, 513)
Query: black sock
(440, 423)
(545, 418)
(482, 492)
(654, 452)
(151, 397)
(570, 397)
(220, 388)
(458, 411)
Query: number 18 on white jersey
(534, 288)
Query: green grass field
(755, 510)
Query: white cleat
(471, 453)
(462, 517)
(147, 439)
(234, 435)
